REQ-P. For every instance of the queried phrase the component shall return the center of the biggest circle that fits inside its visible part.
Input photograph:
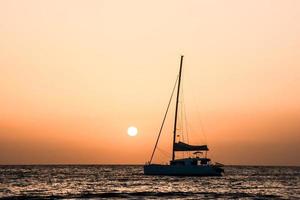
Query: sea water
(123, 181)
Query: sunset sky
(74, 75)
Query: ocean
(124, 181)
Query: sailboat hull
(174, 170)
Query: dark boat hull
(175, 170)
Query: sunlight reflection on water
(95, 181)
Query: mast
(176, 109)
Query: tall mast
(176, 109)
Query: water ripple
(98, 181)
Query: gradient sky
(75, 74)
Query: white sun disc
(132, 131)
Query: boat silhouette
(198, 165)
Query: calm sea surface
(98, 181)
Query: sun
(132, 131)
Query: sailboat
(197, 165)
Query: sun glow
(132, 131)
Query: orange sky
(75, 74)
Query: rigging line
(199, 114)
(186, 125)
(184, 117)
(165, 153)
(202, 129)
(162, 160)
(201, 125)
(181, 120)
(182, 114)
(204, 137)
(163, 122)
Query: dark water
(98, 181)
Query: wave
(207, 195)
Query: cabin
(190, 161)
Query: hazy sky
(75, 74)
